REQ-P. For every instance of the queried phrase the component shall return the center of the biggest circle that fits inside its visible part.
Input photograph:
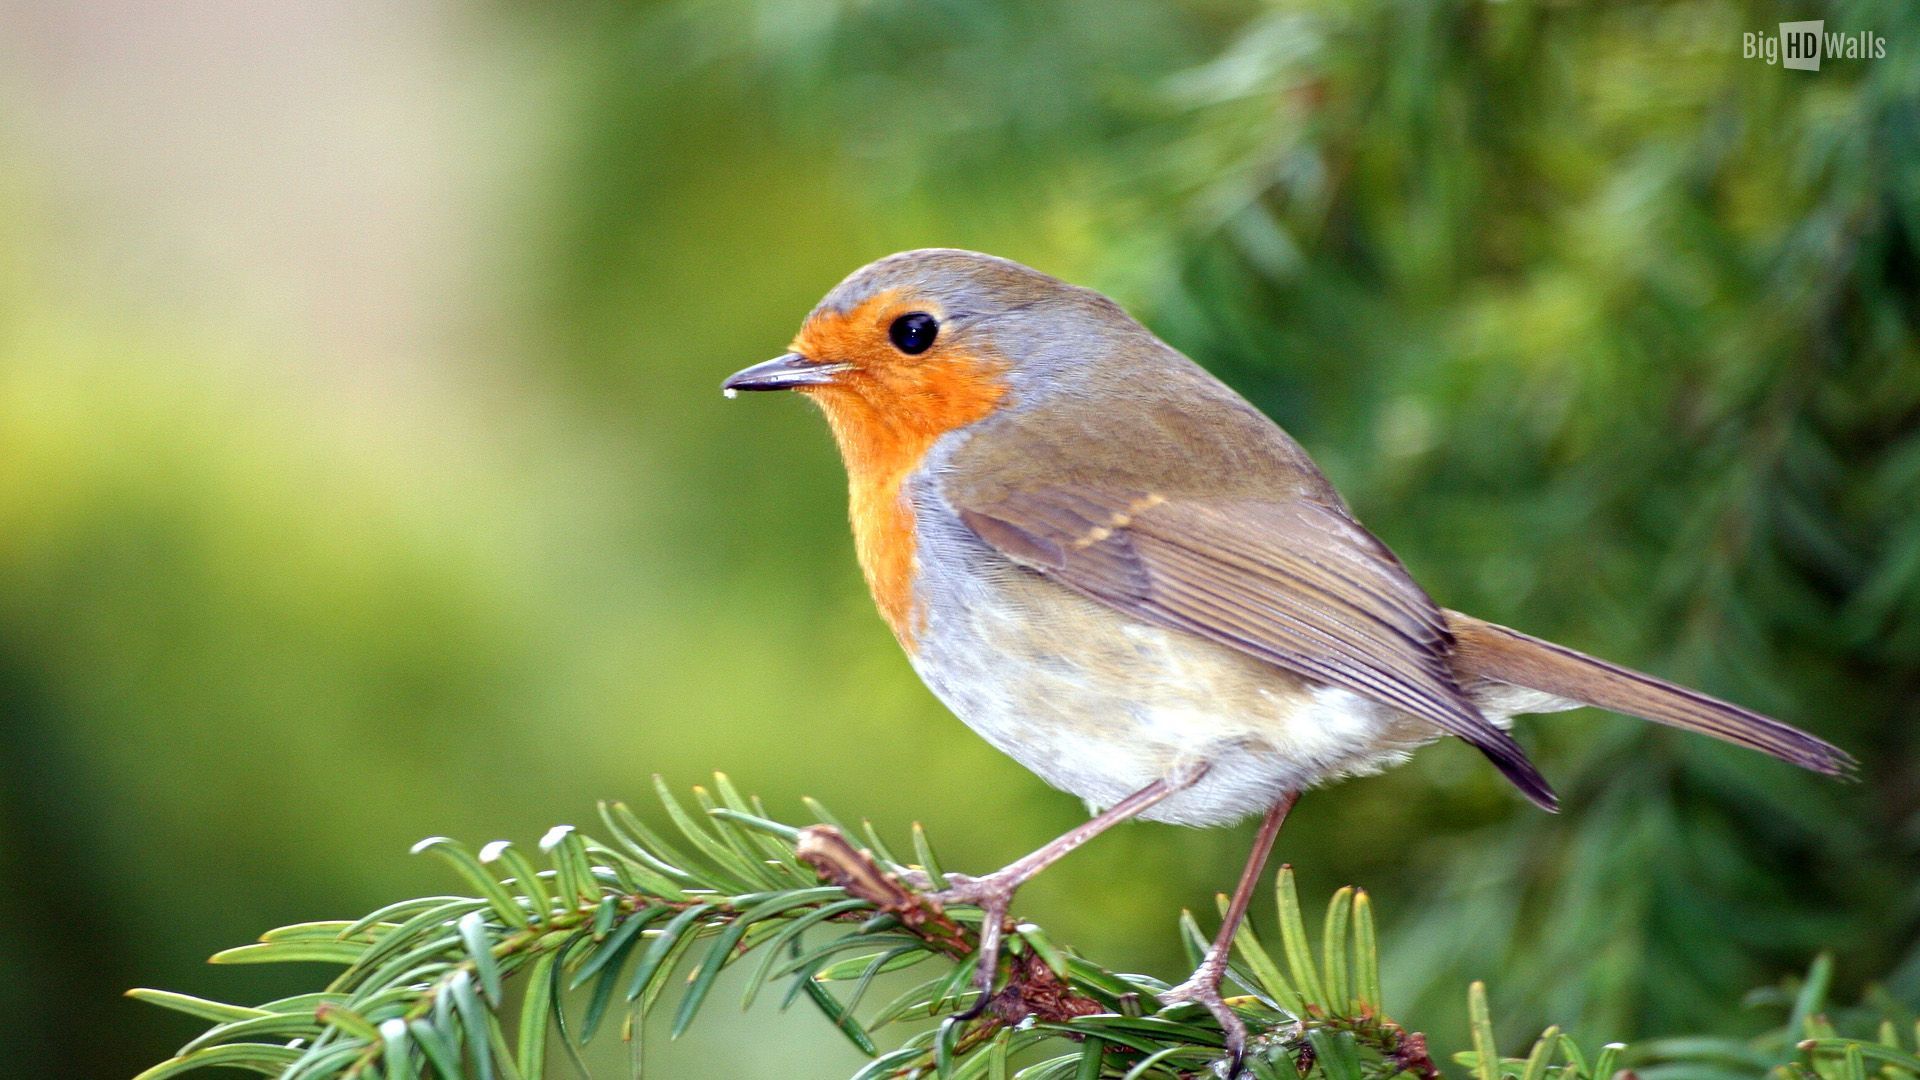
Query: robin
(1135, 584)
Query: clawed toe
(918, 880)
(993, 895)
(978, 891)
(1204, 989)
(953, 888)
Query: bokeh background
(363, 474)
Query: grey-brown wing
(1293, 582)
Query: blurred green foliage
(1608, 330)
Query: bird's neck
(880, 456)
(882, 448)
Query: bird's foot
(978, 891)
(919, 880)
(1203, 988)
(993, 895)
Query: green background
(363, 474)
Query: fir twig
(422, 990)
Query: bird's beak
(781, 373)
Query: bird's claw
(993, 895)
(1203, 988)
(920, 880)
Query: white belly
(1101, 707)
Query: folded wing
(1293, 582)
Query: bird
(1129, 579)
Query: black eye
(913, 333)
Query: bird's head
(926, 342)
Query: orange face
(886, 407)
(881, 396)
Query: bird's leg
(993, 894)
(1203, 986)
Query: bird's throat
(882, 450)
(880, 457)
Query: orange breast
(886, 413)
(885, 540)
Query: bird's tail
(1493, 652)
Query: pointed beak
(781, 373)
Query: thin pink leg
(993, 894)
(1203, 987)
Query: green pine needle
(423, 990)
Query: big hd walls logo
(1801, 45)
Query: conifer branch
(422, 991)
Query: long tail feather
(1494, 652)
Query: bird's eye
(913, 333)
